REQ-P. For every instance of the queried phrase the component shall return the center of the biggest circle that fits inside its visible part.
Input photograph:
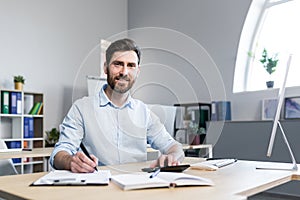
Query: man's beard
(119, 87)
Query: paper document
(65, 177)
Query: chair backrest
(6, 165)
(166, 114)
(94, 84)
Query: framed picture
(269, 108)
(292, 108)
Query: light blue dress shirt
(115, 135)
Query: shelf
(35, 116)
(33, 139)
(33, 162)
(11, 115)
(22, 130)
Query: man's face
(122, 71)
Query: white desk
(234, 182)
(34, 153)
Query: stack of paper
(64, 177)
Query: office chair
(166, 114)
(6, 165)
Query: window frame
(256, 16)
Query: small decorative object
(292, 108)
(195, 133)
(269, 64)
(19, 82)
(187, 120)
(269, 109)
(52, 137)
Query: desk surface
(235, 181)
(46, 152)
(35, 152)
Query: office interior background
(55, 45)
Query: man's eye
(117, 63)
(131, 65)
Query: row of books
(11, 102)
(220, 110)
(28, 127)
(36, 109)
(14, 145)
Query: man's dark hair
(122, 45)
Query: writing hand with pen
(81, 163)
(78, 163)
(84, 162)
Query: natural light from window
(279, 33)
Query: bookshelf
(199, 114)
(21, 130)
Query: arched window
(271, 25)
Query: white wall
(47, 42)
(214, 24)
(54, 45)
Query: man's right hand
(78, 163)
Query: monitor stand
(281, 166)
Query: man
(113, 126)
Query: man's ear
(105, 67)
(138, 72)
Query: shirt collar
(105, 101)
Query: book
(31, 127)
(35, 108)
(163, 179)
(5, 102)
(224, 110)
(214, 116)
(220, 110)
(26, 127)
(13, 103)
(28, 103)
(39, 112)
(65, 177)
(19, 102)
(15, 145)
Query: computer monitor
(276, 123)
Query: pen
(86, 153)
(155, 173)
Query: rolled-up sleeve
(71, 133)
(158, 137)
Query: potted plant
(269, 63)
(52, 137)
(195, 133)
(19, 82)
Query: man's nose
(124, 70)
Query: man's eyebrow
(132, 63)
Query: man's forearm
(62, 160)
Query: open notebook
(65, 177)
(163, 179)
